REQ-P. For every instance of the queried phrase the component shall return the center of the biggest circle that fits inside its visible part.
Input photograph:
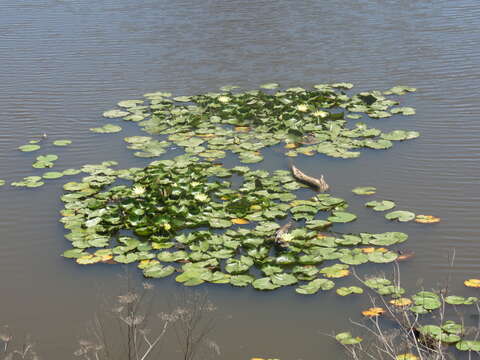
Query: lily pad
(342, 217)
(365, 190)
(381, 205)
(400, 215)
(314, 286)
(62, 142)
(107, 129)
(29, 147)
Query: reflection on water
(65, 62)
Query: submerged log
(320, 184)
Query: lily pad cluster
(309, 121)
(212, 224)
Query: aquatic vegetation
(29, 147)
(63, 142)
(45, 161)
(381, 205)
(308, 121)
(186, 217)
(400, 215)
(365, 190)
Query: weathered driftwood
(279, 234)
(320, 184)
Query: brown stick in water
(320, 184)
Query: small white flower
(302, 107)
(320, 113)
(138, 190)
(201, 197)
(223, 99)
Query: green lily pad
(314, 286)
(158, 271)
(365, 190)
(382, 257)
(29, 148)
(346, 338)
(115, 114)
(400, 215)
(344, 291)
(52, 175)
(341, 217)
(62, 142)
(264, 284)
(107, 129)
(468, 345)
(381, 205)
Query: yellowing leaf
(242, 128)
(373, 311)
(239, 221)
(407, 357)
(88, 259)
(401, 302)
(472, 283)
(338, 274)
(290, 146)
(427, 219)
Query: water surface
(65, 62)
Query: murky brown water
(62, 63)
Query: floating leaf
(62, 142)
(407, 356)
(475, 283)
(115, 114)
(335, 271)
(401, 302)
(381, 205)
(342, 217)
(427, 219)
(468, 345)
(52, 175)
(373, 312)
(29, 148)
(344, 291)
(239, 221)
(346, 338)
(365, 190)
(264, 284)
(400, 215)
(314, 286)
(106, 129)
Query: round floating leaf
(107, 129)
(29, 148)
(158, 271)
(314, 286)
(346, 338)
(2, 182)
(427, 219)
(115, 114)
(264, 284)
(129, 103)
(342, 217)
(400, 215)
(62, 142)
(382, 257)
(475, 283)
(74, 253)
(381, 205)
(335, 271)
(401, 302)
(344, 291)
(219, 223)
(283, 279)
(373, 312)
(365, 190)
(52, 175)
(241, 280)
(407, 356)
(468, 345)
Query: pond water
(63, 63)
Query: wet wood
(320, 184)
